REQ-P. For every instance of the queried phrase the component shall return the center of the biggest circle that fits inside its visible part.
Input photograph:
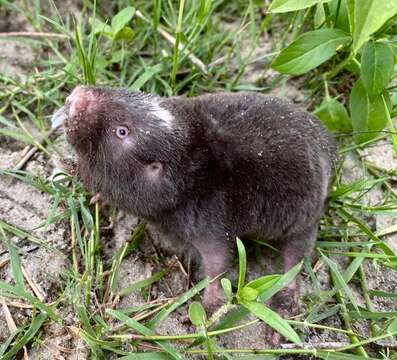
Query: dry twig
(33, 34)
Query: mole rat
(206, 169)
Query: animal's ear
(154, 170)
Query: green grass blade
(382, 294)
(242, 260)
(22, 294)
(283, 281)
(375, 315)
(164, 313)
(340, 280)
(7, 343)
(149, 73)
(143, 283)
(144, 331)
(15, 260)
(27, 336)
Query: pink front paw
(213, 298)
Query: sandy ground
(26, 207)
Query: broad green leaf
(242, 260)
(122, 19)
(227, 288)
(377, 65)
(392, 326)
(247, 294)
(339, 15)
(274, 320)
(126, 33)
(334, 115)
(368, 16)
(310, 50)
(319, 16)
(264, 283)
(197, 314)
(281, 283)
(280, 6)
(368, 115)
(232, 318)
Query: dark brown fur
(231, 164)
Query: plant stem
(318, 326)
(390, 124)
(346, 319)
(331, 74)
(261, 351)
(368, 341)
(178, 33)
(74, 243)
(184, 336)
(368, 302)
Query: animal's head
(129, 147)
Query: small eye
(122, 132)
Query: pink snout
(81, 100)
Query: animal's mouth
(63, 118)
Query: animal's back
(277, 159)
(252, 120)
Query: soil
(23, 206)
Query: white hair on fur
(162, 114)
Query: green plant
(354, 36)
